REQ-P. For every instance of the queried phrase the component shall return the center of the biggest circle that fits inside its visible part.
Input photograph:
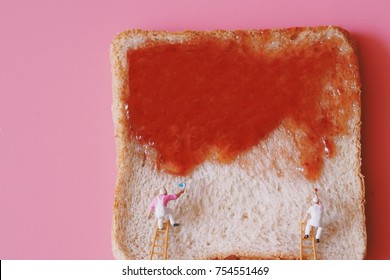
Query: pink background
(57, 153)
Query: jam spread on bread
(215, 99)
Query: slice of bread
(245, 204)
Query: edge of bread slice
(250, 208)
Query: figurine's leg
(307, 230)
(170, 216)
(169, 212)
(160, 222)
(171, 220)
(318, 234)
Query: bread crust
(128, 243)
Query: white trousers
(308, 229)
(161, 217)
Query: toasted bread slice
(246, 202)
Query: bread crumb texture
(250, 208)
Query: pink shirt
(165, 199)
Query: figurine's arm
(179, 193)
(305, 218)
(151, 209)
(150, 213)
(173, 196)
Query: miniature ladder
(160, 242)
(308, 251)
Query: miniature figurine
(315, 212)
(160, 209)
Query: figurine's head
(315, 200)
(163, 190)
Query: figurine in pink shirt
(160, 209)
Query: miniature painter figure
(315, 212)
(160, 209)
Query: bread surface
(251, 207)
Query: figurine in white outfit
(315, 213)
